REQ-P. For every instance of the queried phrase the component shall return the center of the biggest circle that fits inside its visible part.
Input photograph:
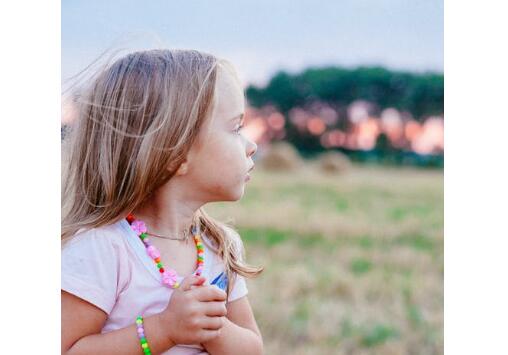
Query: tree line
(421, 94)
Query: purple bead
(154, 253)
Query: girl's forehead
(230, 101)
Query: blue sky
(261, 36)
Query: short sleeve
(239, 289)
(240, 286)
(89, 269)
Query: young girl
(144, 268)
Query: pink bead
(153, 252)
(169, 277)
(139, 227)
(140, 331)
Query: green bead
(142, 340)
(142, 235)
(144, 345)
(159, 265)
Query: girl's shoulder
(94, 265)
(108, 236)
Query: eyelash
(237, 130)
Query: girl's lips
(247, 178)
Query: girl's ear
(183, 168)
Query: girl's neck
(165, 216)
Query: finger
(190, 281)
(207, 335)
(215, 309)
(212, 323)
(209, 293)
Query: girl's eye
(237, 130)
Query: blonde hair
(135, 125)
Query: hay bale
(281, 156)
(334, 162)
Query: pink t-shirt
(110, 268)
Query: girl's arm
(82, 323)
(239, 334)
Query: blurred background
(345, 207)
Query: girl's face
(218, 164)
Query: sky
(261, 37)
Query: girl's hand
(194, 315)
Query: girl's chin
(231, 193)
(238, 193)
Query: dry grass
(281, 156)
(353, 263)
(334, 162)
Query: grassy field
(353, 263)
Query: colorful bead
(139, 227)
(141, 335)
(130, 218)
(153, 252)
(169, 277)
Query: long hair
(137, 120)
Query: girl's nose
(252, 148)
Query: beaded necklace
(169, 276)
